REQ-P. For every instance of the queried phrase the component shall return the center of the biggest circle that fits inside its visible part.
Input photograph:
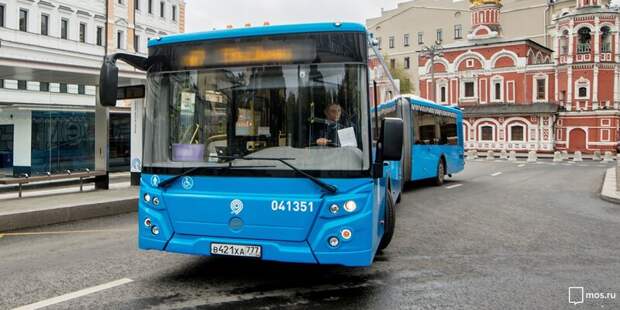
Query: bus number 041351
(292, 206)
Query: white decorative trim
(525, 132)
(581, 82)
(535, 79)
(494, 80)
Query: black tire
(441, 173)
(389, 222)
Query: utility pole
(431, 52)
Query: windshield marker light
(346, 234)
(147, 197)
(334, 208)
(147, 222)
(156, 201)
(333, 242)
(350, 206)
(155, 230)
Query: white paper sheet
(347, 137)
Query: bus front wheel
(388, 222)
(441, 173)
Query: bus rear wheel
(389, 222)
(441, 173)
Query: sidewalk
(610, 191)
(52, 208)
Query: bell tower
(485, 19)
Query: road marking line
(454, 186)
(496, 174)
(65, 232)
(521, 165)
(69, 296)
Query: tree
(398, 72)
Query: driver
(327, 131)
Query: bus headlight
(155, 230)
(147, 222)
(147, 197)
(350, 206)
(156, 201)
(334, 208)
(333, 242)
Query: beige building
(403, 31)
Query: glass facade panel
(62, 141)
(120, 143)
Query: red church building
(519, 95)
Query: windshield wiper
(168, 182)
(328, 187)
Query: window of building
(136, 5)
(497, 85)
(486, 133)
(83, 32)
(583, 45)
(136, 43)
(469, 90)
(81, 89)
(517, 133)
(63, 88)
(119, 40)
(99, 35)
(458, 31)
(439, 35)
(392, 64)
(443, 94)
(564, 43)
(64, 28)
(44, 86)
(379, 43)
(583, 92)
(23, 20)
(391, 42)
(1, 83)
(605, 40)
(406, 39)
(541, 89)
(420, 38)
(407, 62)
(120, 2)
(150, 6)
(162, 7)
(45, 24)
(22, 84)
(1, 15)
(174, 13)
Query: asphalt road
(497, 236)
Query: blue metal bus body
(290, 218)
(420, 160)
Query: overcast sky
(208, 14)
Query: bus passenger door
(424, 160)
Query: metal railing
(583, 48)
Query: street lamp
(431, 52)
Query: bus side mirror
(108, 83)
(392, 138)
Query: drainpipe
(107, 13)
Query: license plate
(236, 250)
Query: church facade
(517, 94)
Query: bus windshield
(314, 115)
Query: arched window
(564, 43)
(517, 133)
(486, 133)
(605, 40)
(585, 38)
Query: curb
(29, 219)
(608, 189)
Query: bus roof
(413, 99)
(257, 32)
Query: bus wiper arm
(168, 182)
(328, 187)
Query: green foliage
(398, 72)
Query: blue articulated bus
(433, 140)
(258, 142)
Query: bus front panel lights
(346, 234)
(155, 201)
(334, 208)
(147, 222)
(350, 206)
(147, 198)
(155, 230)
(333, 242)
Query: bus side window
(448, 131)
(426, 132)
